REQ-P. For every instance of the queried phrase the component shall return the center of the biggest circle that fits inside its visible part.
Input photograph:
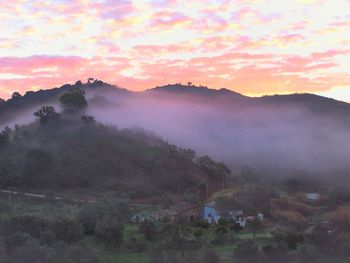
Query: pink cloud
(209, 44)
(164, 3)
(243, 72)
(166, 20)
(39, 72)
(290, 38)
(152, 50)
(329, 53)
(113, 9)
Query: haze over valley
(175, 131)
(282, 135)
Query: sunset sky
(254, 47)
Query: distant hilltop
(222, 96)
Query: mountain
(195, 90)
(34, 99)
(281, 135)
(312, 102)
(98, 92)
(315, 103)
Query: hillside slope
(64, 151)
(282, 135)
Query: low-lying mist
(281, 141)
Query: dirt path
(11, 193)
(41, 196)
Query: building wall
(211, 215)
(312, 196)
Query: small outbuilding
(312, 196)
(210, 215)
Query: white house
(312, 196)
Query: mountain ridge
(177, 87)
(174, 88)
(100, 93)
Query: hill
(315, 103)
(98, 92)
(281, 135)
(31, 100)
(64, 152)
(195, 90)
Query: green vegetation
(72, 156)
(68, 151)
(102, 232)
(73, 99)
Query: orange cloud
(254, 46)
(41, 72)
(167, 20)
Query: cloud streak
(253, 47)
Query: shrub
(276, 253)
(135, 245)
(166, 219)
(111, 204)
(176, 256)
(222, 221)
(114, 205)
(181, 219)
(31, 251)
(236, 227)
(219, 239)
(109, 231)
(186, 231)
(197, 233)
(67, 230)
(148, 229)
(16, 240)
(88, 217)
(291, 238)
(4, 207)
(205, 225)
(48, 238)
(246, 251)
(209, 256)
(69, 253)
(221, 230)
(33, 225)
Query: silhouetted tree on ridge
(46, 114)
(16, 95)
(73, 99)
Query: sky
(254, 47)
